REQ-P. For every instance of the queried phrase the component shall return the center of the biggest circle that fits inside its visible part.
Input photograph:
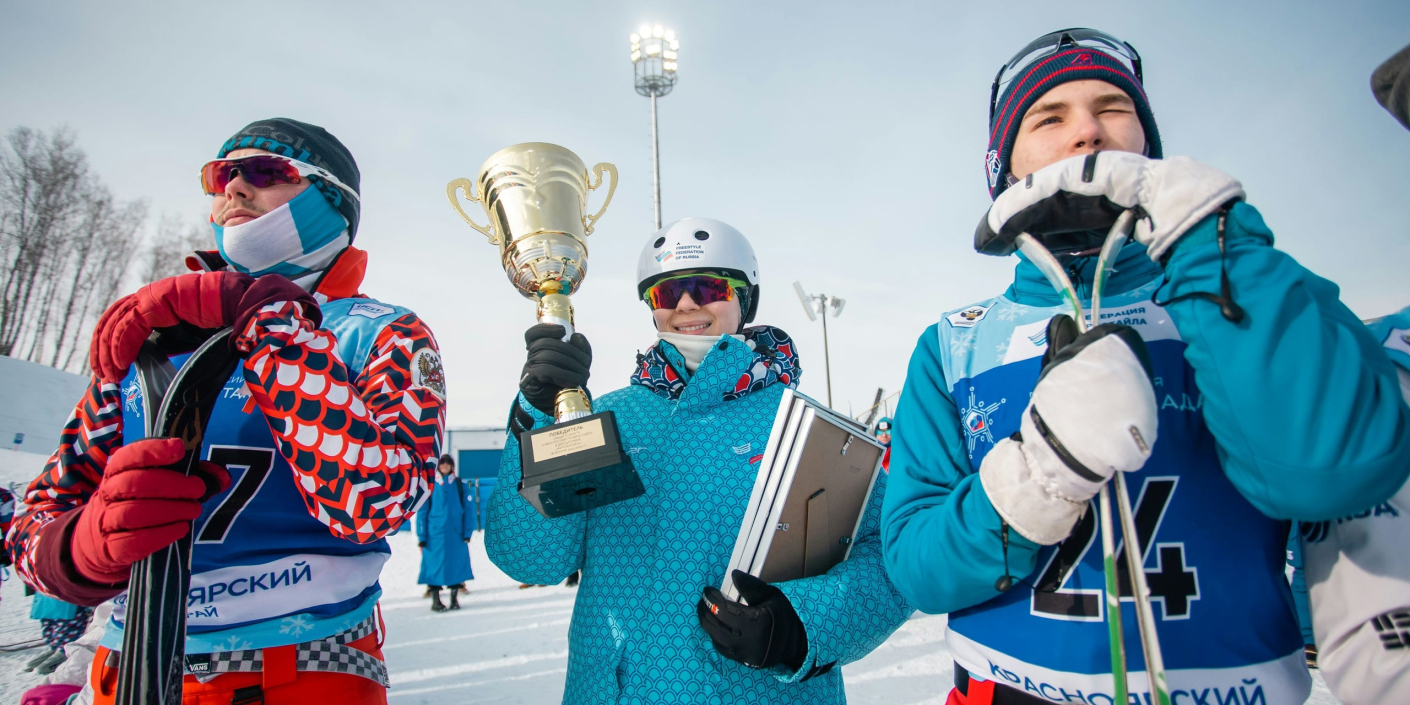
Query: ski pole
(1049, 266)
(1135, 558)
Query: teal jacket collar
(1133, 270)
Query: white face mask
(299, 240)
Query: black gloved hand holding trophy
(535, 195)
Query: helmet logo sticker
(664, 256)
(685, 252)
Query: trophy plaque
(535, 195)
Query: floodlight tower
(654, 63)
(816, 305)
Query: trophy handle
(591, 221)
(469, 188)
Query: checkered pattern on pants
(328, 655)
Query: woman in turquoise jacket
(695, 419)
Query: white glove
(1088, 192)
(1093, 414)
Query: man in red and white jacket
(323, 441)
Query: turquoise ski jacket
(1302, 402)
(635, 637)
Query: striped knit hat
(1068, 63)
(306, 143)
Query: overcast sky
(846, 139)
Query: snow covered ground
(508, 645)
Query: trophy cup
(535, 196)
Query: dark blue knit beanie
(311, 144)
(1069, 64)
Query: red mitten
(268, 289)
(140, 506)
(208, 300)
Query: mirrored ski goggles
(263, 171)
(1054, 42)
(703, 289)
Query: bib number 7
(1172, 583)
(257, 463)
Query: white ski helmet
(705, 244)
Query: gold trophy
(535, 195)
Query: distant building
(476, 450)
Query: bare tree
(65, 244)
(174, 238)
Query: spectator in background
(62, 623)
(883, 434)
(443, 527)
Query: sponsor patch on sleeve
(968, 317)
(426, 372)
(370, 310)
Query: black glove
(420, 544)
(553, 365)
(1062, 332)
(766, 632)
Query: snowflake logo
(1008, 313)
(295, 625)
(1002, 349)
(234, 643)
(961, 344)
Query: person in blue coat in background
(444, 526)
(649, 623)
(1227, 380)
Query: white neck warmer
(694, 347)
(299, 240)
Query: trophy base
(575, 466)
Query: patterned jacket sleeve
(363, 450)
(521, 542)
(849, 610)
(69, 478)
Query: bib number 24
(1172, 583)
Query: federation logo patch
(977, 420)
(968, 317)
(426, 372)
(370, 310)
(132, 399)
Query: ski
(176, 404)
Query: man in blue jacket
(1229, 382)
(445, 524)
